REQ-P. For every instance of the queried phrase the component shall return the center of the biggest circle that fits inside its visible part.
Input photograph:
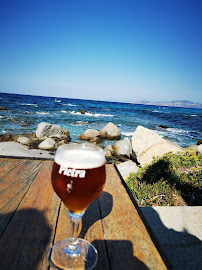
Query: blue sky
(105, 50)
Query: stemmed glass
(78, 177)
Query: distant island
(177, 103)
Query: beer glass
(78, 177)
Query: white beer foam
(80, 156)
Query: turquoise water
(25, 112)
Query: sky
(122, 50)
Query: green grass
(174, 179)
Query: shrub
(174, 179)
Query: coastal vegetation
(172, 180)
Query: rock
(47, 144)
(108, 153)
(24, 140)
(110, 132)
(126, 167)
(110, 148)
(83, 111)
(96, 140)
(200, 148)
(123, 148)
(14, 120)
(6, 138)
(162, 126)
(52, 131)
(147, 144)
(88, 134)
(192, 147)
(199, 142)
(9, 138)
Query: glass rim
(81, 156)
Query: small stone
(24, 140)
(47, 144)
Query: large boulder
(127, 167)
(147, 144)
(88, 134)
(52, 131)
(110, 132)
(123, 148)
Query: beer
(78, 175)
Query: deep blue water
(26, 112)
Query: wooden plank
(6, 164)
(29, 235)
(128, 243)
(13, 186)
(91, 230)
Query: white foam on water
(29, 104)
(80, 156)
(128, 134)
(91, 114)
(177, 130)
(42, 113)
(71, 105)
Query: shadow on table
(92, 215)
(121, 256)
(25, 240)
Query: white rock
(49, 130)
(108, 153)
(47, 144)
(109, 147)
(18, 150)
(126, 167)
(24, 140)
(110, 132)
(123, 147)
(88, 134)
(147, 144)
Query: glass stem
(76, 228)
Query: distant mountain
(177, 103)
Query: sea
(23, 113)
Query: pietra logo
(72, 172)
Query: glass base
(61, 257)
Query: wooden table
(32, 218)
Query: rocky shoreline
(126, 154)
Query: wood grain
(32, 218)
(29, 234)
(125, 234)
(14, 184)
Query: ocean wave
(63, 111)
(177, 130)
(79, 123)
(91, 114)
(188, 115)
(29, 104)
(42, 113)
(72, 105)
(128, 133)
